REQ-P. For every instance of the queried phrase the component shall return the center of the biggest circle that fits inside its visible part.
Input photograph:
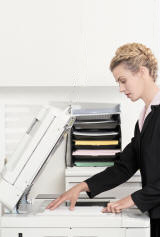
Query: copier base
(81, 222)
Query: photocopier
(93, 136)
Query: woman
(134, 67)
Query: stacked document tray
(95, 136)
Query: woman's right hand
(71, 195)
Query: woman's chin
(134, 99)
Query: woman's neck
(149, 94)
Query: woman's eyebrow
(118, 79)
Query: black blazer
(143, 152)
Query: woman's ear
(143, 71)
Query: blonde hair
(134, 55)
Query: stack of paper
(96, 136)
(95, 152)
(96, 143)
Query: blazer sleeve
(147, 197)
(125, 166)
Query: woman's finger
(117, 210)
(108, 208)
(112, 209)
(73, 203)
(104, 210)
(53, 203)
(57, 204)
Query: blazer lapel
(147, 120)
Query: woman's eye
(123, 82)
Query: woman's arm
(147, 197)
(125, 166)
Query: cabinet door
(40, 42)
(110, 24)
(35, 232)
(97, 232)
(132, 232)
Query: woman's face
(131, 84)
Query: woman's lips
(129, 94)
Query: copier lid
(42, 137)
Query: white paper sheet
(87, 152)
(77, 211)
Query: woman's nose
(121, 88)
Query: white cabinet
(102, 232)
(110, 24)
(54, 232)
(82, 222)
(132, 232)
(75, 232)
(41, 42)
